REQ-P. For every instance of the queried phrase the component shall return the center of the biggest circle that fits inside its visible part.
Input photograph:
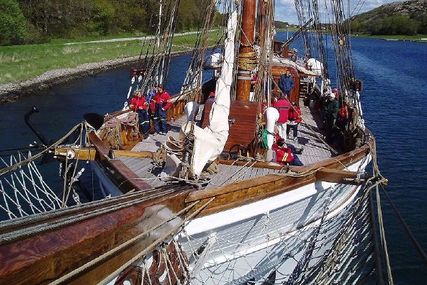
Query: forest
(38, 21)
(392, 25)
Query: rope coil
(248, 61)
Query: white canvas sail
(209, 142)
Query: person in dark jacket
(331, 112)
(286, 83)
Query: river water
(394, 76)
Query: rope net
(299, 252)
(24, 192)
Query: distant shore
(414, 38)
(37, 67)
(10, 92)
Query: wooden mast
(247, 37)
(261, 21)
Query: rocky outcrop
(414, 9)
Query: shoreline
(417, 38)
(11, 92)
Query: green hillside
(38, 21)
(397, 18)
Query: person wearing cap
(159, 106)
(331, 112)
(139, 105)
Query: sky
(285, 9)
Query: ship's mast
(247, 37)
(261, 21)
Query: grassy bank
(418, 38)
(19, 63)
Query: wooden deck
(149, 173)
(314, 150)
(153, 142)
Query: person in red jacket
(139, 105)
(282, 105)
(159, 106)
(295, 118)
(285, 154)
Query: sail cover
(210, 141)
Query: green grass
(19, 63)
(96, 37)
(290, 29)
(393, 37)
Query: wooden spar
(252, 190)
(127, 179)
(338, 176)
(337, 162)
(81, 153)
(247, 37)
(89, 153)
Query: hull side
(238, 245)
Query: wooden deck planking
(314, 151)
(144, 169)
(231, 173)
(153, 142)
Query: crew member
(284, 154)
(294, 119)
(286, 83)
(331, 111)
(139, 105)
(283, 106)
(159, 105)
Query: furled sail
(209, 142)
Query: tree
(13, 28)
(75, 18)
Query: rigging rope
(383, 236)
(417, 245)
(22, 187)
(40, 154)
(193, 78)
(381, 181)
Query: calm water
(394, 100)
